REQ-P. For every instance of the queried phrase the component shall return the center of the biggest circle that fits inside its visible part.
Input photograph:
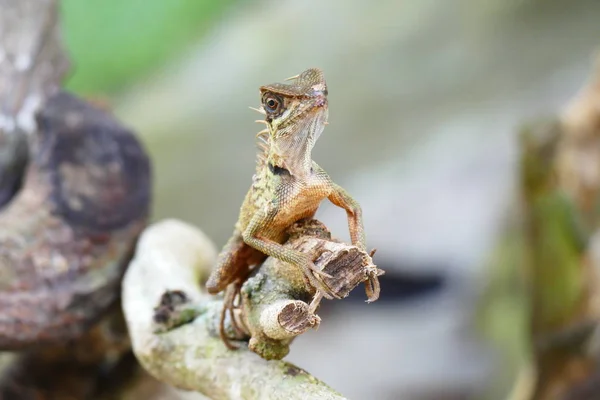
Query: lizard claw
(317, 271)
(310, 271)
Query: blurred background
(425, 101)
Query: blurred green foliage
(113, 42)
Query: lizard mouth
(321, 100)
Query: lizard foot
(316, 301)
(317, 271)
(310, 270)
(229, 306)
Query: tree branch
(172, 256)
(32, 60)
(32, 64)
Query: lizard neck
(298, 164)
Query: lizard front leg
(342, 199)
(252, 236)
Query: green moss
(269, 349)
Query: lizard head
(295, 114)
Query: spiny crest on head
(309, 82)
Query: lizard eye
(272, 103)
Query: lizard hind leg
(232, 269)
(233, 263)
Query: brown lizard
(288, 186)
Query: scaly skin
(287, 187)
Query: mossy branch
(164, 277)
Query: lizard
(288, 186)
